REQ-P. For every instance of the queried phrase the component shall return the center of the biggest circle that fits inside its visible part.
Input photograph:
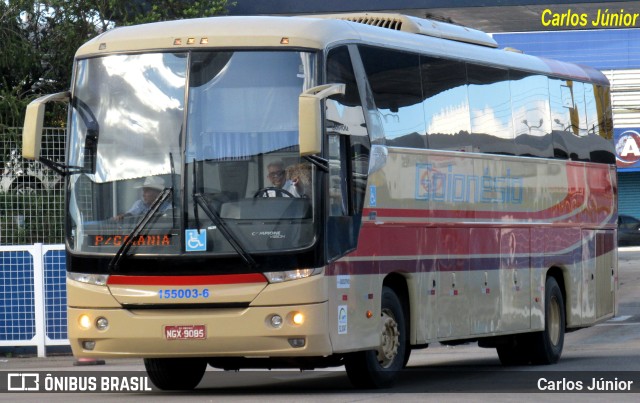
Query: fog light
(89, 345)
(297, 342)
(297, 318)
(102, 323)
(276, 321)
(84, 321)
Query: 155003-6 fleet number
(183, 293)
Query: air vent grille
(389, 23)
(420, 26)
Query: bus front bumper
(227, 332)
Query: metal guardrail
(33, 296)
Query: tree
(17, 63)
(40, 39)
(144, 11)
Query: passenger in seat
(299, 177)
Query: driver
(151, 188)
(277, 175)
(295, 181)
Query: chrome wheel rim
(554, 321)
(390, 341)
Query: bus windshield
(211, 137)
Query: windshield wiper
(213, 216)
(114, 264)
(200, 200)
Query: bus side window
(346, 146)
(531, 116)
(345, 125)
(394, 79)
(446, 104)
(490, 109)
(348, 169)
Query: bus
(448, 191)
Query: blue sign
(373, 198)
(627, 141)
(196, 240)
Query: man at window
(151, 188)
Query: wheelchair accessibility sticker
(373, 198)
(196, 240)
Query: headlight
(95, 279)
(282, 276)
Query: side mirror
(33, 122)
(310, 116)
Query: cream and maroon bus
(330, 190)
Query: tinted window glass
(598, 105)
(345, 116)
(348, 155)
(579, 129)
(531, 114)
(446, 104)
(394, 78)
(605, 122)
(579, 111)
(490, 108)
(561, 103)
(591, 110)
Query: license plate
(185, 332)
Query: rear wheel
(548, 344)
(175, 373)
(379, 368)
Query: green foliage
(17, 59)
(145, 11)
(40, 38)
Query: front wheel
(379, 368)
(175, 373)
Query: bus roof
(323, 31)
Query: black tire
(375, 369)
(407, 355)
(547, 345)
(175, 373)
